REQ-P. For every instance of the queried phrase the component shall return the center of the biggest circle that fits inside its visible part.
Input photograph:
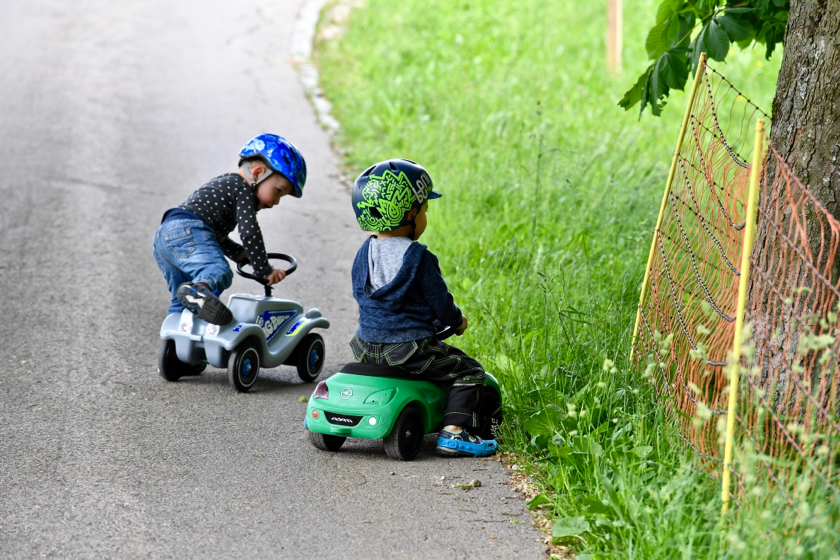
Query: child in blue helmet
(192, 241)
(401, 296)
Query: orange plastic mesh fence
(787, 409)
(688, 315)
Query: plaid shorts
(432, 360)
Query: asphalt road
(111, 113)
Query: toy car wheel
(406, 438)
(243, 367)
(326, 442)
(310, 357)
(170, 367)
(489, 414)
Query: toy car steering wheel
(288, 258)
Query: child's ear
(412, 213)
(258, 171)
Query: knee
(219, 278)
(476, 371)
(472, 376)
(226, 279)
(479, 376)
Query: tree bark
(806, 133)
(806, 109)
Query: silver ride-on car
(266, 332)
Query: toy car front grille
(342, 419)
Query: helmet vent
(368, 171)
(392, 165)
(375, 213)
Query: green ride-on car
(383, 402)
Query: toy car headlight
(321, 391)
(381, 397)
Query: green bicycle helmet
(385, 193)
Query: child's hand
(464, 324)
(276, 276)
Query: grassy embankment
(550, 197)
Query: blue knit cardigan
(406, 308)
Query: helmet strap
(268, 173)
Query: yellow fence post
(701, 68)
(743, 286)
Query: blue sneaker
(463, 444)
(204, 304)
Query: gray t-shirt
(385, 258)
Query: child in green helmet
(401, 296)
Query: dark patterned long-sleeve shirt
(223, 203)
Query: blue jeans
(188, 251)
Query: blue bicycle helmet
(280, 155)
(384, 194)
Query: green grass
(550, 196)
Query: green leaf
(600, 429)
(696, 48)
(717, 41)
(672, 32)
(657, 42)
(739, 10)
(506, 365)
(665, 11)
(643, 451)
(594, 505)
(537, 501)
(686, 28)
(542, 423)
(634, 94)
(672, 69)
(568, 527)
(560, 453)
(546, 395)
(648, 98)
(768, 33)
(737, 29)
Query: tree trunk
(806, 133)
(806, 109)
